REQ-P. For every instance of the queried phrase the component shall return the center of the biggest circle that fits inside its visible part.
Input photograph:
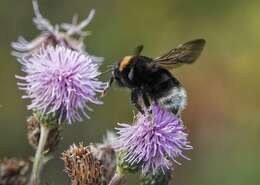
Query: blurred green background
(222, 116)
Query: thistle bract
(61, 81)
(154, 141)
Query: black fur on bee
(150, 80)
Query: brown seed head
(107, 157)
(81, 166)
(13, 172)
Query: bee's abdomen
(166, 90)
(174, 99)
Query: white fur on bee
(176, 98)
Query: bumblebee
(151, 80)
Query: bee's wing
(185, 53)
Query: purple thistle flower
(61, 81)
(154, 141)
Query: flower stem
(39, 155)
(118, 179)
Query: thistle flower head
(61, 81)
(154, 141)
(82, 166)
(13, 172)
(65, 34)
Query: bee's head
(121, 69)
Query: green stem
(39, 155)
(117, 180)
(119, 177)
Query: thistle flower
(65, 34)
(154, 141)
(13, 172)
(82, 167)
(61, 81)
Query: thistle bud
(123, 166)
(34, 132)
(157, 178)
(13, 172)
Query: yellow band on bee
(124, 62)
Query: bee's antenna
(106, 71)
(110, 66)
(138, 50)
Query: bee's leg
(108, 86)
(146, 102)
(178, 114)
(134, 98)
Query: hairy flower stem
(117, 179)
(39, 155)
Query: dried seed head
(106, 154)
(107, 157)
(34, 131)
(81, 166)
(13, 172)
(70, 35)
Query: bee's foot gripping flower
(61, 81)
(153, 144)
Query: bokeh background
(222, 116)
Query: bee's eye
(116, 66)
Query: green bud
(123, 167)
(158, 178)
(34, 132)
(49, 120)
